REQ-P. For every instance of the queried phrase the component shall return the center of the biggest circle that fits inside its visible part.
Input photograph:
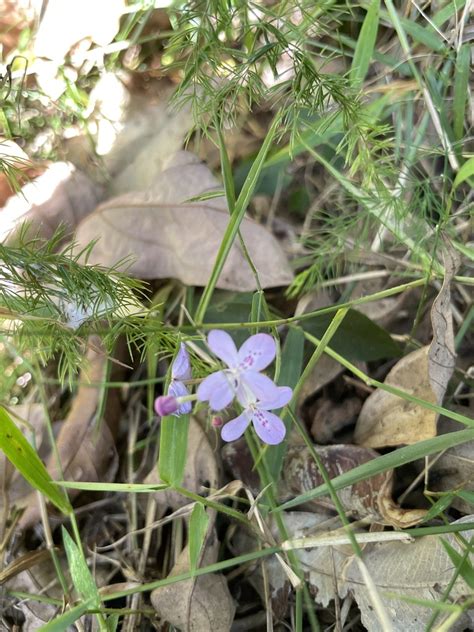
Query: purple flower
(242, 375)
(180, 370)
(268, 426)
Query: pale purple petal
(260, 385)
(257, 352)
(222, 345)
(284, 394)
(235, 428)
(178, 389)
(216, 389)
(269, 427)
(181, 367)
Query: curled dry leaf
(194, 605)
(86, 450)
(442, 354)
(388, 420)
(202, 470)
(370, 499)
(165, 236)
(61, 196)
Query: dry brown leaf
(421, 569)
(202, 470)
(442, 355)
(62, 195)
(387, 420)
(370, 499)
(39, 579)
(453, 471)
(87, 452)
(168, 237)
(196, 605)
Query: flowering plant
(242, 380)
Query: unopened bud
(217, 421)
(166, 405)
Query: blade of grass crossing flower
(365, 44)
(386, 462)
(173, 449)
(291, 365)
(236, 219)
(27, 462)
(197, 532)
(461, 88)
(62, 623)
(81, 576)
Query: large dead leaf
(388, 420)
(195, 605)
(419, 569)
(370, 499)
(64, 24)
(62, 195)
(168, 237)
(86, 451)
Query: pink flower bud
(166, 405)
(217, 422)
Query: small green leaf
(80, 574)
(27, 462)
(62, 623)
(462, 563)
(365, 44)
(173, 449)
(197, 532)
(465, 172)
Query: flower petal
(260, 385)
(284, 394)
(181, 367)
(222, 345)
(269, 427)
(257, 352)
(178, 389)
(216, 389)
(235, 428)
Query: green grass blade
(62, 623)
(461, 562)
(197, 532)
(291, 366)
(236, 219)
(27, 462)
(464, 173)
(386, 462)
(461, 87)
(365, 44)
(80, 574)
